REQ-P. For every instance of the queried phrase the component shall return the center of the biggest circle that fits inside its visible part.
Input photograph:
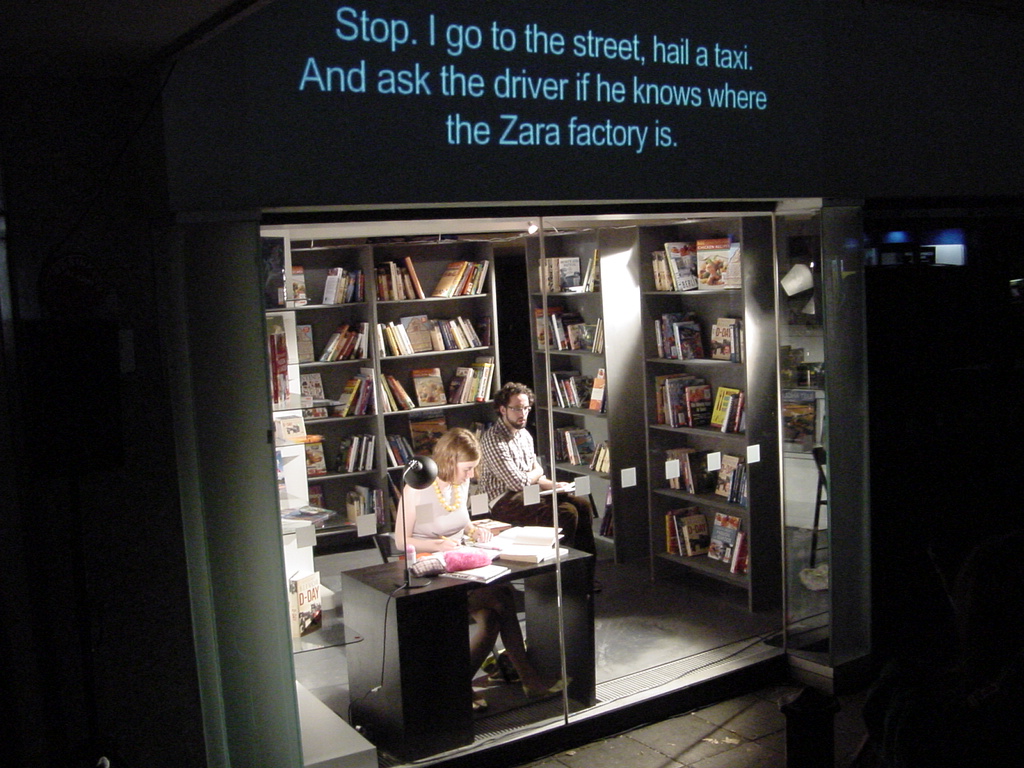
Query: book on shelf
(698, 405)
(359, 502)
(719, 410)
(316, 459)
(741, 554)
(670, 398)
(564, 389)
(723, 536)
(574, 445)
(569, 273)
(428, 386)
(734, 267)
(450, 279)
(304, 602)
(602, 461)
(592, 276)
(727, 339)
(298, 285)
(417, 286)
(729, 477)
(681, 265)
(542, 324)
(277, 356)
(304, 341)
(311, 386)
(672, 544)
(399, 396)
(598, 394)
(399, 451)
(343, 286)
(356, 453)
(417, 330)
(460, 388)
(348, 397)
(694, 533)
(425, 430)
(289, 429)
(483, 367)
(346, 343)
(713, 255)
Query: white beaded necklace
(456, 497)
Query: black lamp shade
(420, 472)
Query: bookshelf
(607, 307)
(344, 401)
(676, 434)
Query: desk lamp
(419, 474)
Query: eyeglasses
(527, 409)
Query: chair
(386, 546)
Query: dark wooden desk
(415, 648)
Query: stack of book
(394, 339)
(675, 267)
(574, 445)
(356, 453)
(694, 475)
(727, 340)
(397, 282)
(344, 286)
(602, 461)
(462, 278)
(399, 451)
(729, 412)
(357, 398)
(732, 479)
(682, 400)
(348, 342)
(570, 389)
(679, 336)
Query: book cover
(698, 405)
(290, 429)
(688, 336)
(597, 394)
(569, 276)
(304, 602)
(723, 537)
(425, 430)
(724, 338)
(712, 261)
(718, 411)
(734, 267)
(304, 338)
(348, 397)
(450, 279)
(460, 388)
(681, 260)
(316, 460)
(402, 399)
(726, 475)
(694, 534)
(428, 386)
(311, 385)
(417, 330)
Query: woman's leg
(499, 607)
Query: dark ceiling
(116, 38)
(104, 38)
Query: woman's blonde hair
(454, 446)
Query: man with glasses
(509, 464)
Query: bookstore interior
(685, 367)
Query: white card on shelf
(672, 469)
(629, 477)
(531, 495)
(753, 453)
(478, 504)
(714, 461)
(582, 485)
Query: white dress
(434, 521)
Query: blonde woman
(436, 519)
